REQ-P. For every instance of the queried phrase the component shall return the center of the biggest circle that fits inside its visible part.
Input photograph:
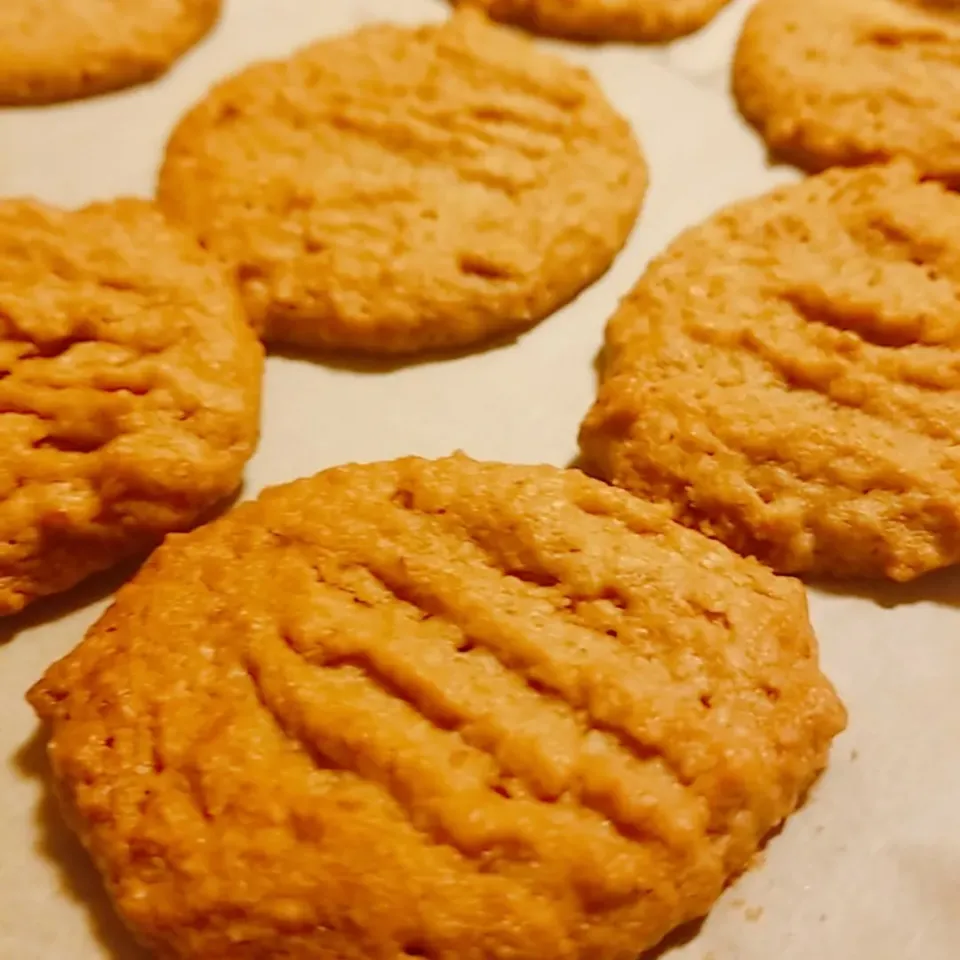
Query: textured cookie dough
(401, 189)
(436, 709)
(850, 82)
(621, 20)
(129, 389)
(55, 50)
(787, 376)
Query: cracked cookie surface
(399, 189)
(56, 50)
(850, 82)
(642, 21)
(129, 389)
(439, 709)
(787, 376)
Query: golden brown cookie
(401, 189)
(787, 375)
(435, 709)
(129, 389)
(54, 50)
(622, 20)
(849, 82)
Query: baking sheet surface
(870, 869)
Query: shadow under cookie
(57, 844)
(85, 594)
(942, 587)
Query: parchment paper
(870, 869)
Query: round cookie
(56, 50)
(849, 82)
(129, 389)
(399, 189)
(787, 376)
(437, 709)
(641, 21)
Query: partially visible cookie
(621, 20)
(849, 82)
(399, 189)
(129, 389)
(787, 376)
(435, 709)
(55, 50)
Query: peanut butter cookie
(129, 389)
(787, 375)
(849, 82)
(54, 50)
(401, 189)
(435, 709)
(622, 20)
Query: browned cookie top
(787, 376)
(623, 20)
(447, 710)
(129, 389)
(52, 50)
(403, 189)
(848, 82)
